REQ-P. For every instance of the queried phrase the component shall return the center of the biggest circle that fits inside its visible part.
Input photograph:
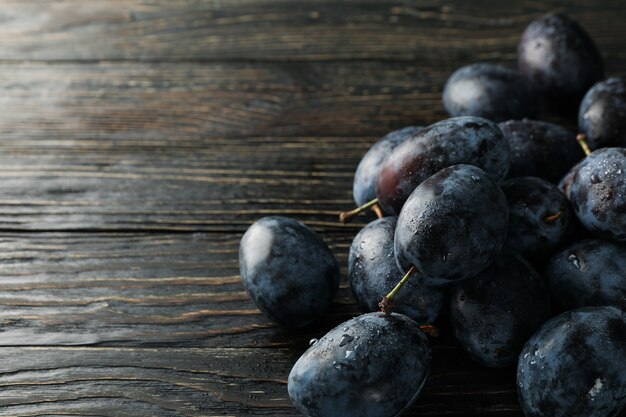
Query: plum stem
(430, 330)
(551, 219)
(347, 216)
(379, 212)
(582, 141)
(386, 304)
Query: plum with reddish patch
(366, 175)
(459, 140)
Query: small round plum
(591, 272)
(494, 313)
(491, 91)
(374, 365)
(540, 217)
(602, 114)
(575, 366)
(540, 149)
(452, 226)
(288, 271)
(558, 55)
(597, 192)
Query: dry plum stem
(551, 219)
(347, 216)
(379, 212)
(387, 303)
(430, 330)
(582, 141)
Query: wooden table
(139, 139)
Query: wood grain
(207, 382)
(284, 30)
(174, 105)
(139, 139)
(195, 147)
(140, 289)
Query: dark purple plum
(602, 114)
(494, 313)
(558, 55)
(452, 226)
(374, 365)
(598, 193)
(575, 365)
(491, 91)
(540, 217)
(459, 140)
(373, 273)
(288, 271)
(364, 185)
(591, 272)
(540, 149)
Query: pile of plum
(515, 225)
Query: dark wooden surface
(139, 139)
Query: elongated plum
(452, 226)
(366, 175)
(491, 91)
(591, 272)
(575, 365)
(598, 193)
(459, 140)
(373, 273)
(494, 313)
(540, 149)
(558, 55)
(374, 365)
(602, 114)
(288, 271)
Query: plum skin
(491, 91)
(574, 365)
(602, 114)
(373, 273)
(558, 55)
(452, 226)
(458, 140)
(288, 271)
(590, 272)
(366, 175)
(534, 146)
(531, 201)
(597, 191)
(495, 312)
(373, 365)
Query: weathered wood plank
(283, 29)
(148, 146)
(152, 104)
(207, 382)
(195, 147)
(142, 289)
(217, 185)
